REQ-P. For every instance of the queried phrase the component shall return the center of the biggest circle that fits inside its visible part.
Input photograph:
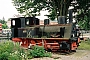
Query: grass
(84, 45)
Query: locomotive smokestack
(70, 16)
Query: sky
(7, 10)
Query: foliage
(4, 56)
(38, 51)
(12, 51)
(85, 24)
(33, 7)
(4, 25)
(84, 45)
(2, 21)
(56, 8)
(82, 7)
(9, 51)
(6, 47)
(84, 20)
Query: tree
(3, 21)
(33, 7)
(55, 7)
(82, 7)
(4, 25)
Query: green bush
(11, 51)
(38, 51)
(6, 47)
(4, 56)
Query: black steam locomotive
(61, 36)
